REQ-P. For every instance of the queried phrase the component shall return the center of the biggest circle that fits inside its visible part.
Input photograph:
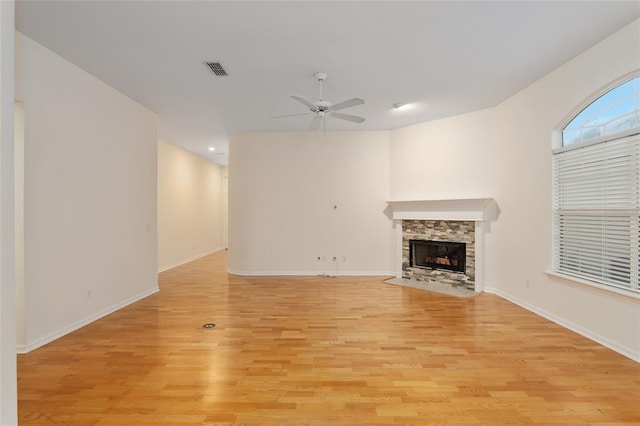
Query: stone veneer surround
(440, 230)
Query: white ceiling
(447, 57)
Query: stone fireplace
(452, 227)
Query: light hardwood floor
(322, 351)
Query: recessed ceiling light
(211, 148)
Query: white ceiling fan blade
(347, 117)
(315, 123)
(302, 100)
(346, 104)
(290, 115)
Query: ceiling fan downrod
(321, 77)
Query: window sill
(610, 290)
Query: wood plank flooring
(322, 351)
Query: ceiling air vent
(217, 69)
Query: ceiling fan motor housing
(323, 105)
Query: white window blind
(596, 207)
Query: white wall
(524, 231)
(8, 387)
(90, 196)
(282, 191)
(190, 206)
(445, 159)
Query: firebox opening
(438, 255)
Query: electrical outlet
(526, 282)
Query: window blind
(596, 208)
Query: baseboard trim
(311, 273)
(622, 350)
(23, 349)
(190, 259)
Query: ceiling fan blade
(315, 123)
(346, 104)
(290, 115)
(302, 100)
(347, 117)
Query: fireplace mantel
(476, 209)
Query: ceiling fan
(323, 109)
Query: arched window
(614, 112)
(596, 192)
